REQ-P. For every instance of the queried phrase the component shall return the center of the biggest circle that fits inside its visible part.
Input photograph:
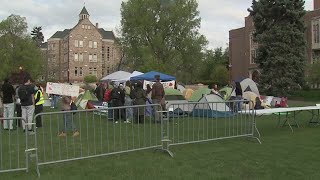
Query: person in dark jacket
(139, 99)
(118, 99)
(8, 94)
(157, 96)
(238, 92)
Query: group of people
(131, 94)
(26, 100)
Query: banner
(62, 89)
(167, 84)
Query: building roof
(44, 45)
(106, 34)
(60, 34)
(84, 11)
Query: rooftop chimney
(316, 4)
(97, 24)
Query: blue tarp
(149, 76)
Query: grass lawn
(282, 154)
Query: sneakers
(75, 134)
(116, 122)
(62, 134)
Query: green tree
(313, 73)
(37, 35)
(90, 79)
(162, 35)
(279, 31)
(17, 48)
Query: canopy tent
(198, 94)
(133, 74)
(212, 105)
(116, 76)
(149, 76)
(83, 99)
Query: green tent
(173, 94)
(198, 94)
(225, 92)
(83, 99)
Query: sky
(217, 16)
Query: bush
(90, 79)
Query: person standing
(39, 101)
(8, 105)
(157, 96)
(18, 107)
(68, 124)
(26, 95)
(117, 98)
(128, 101)
(238, 92)
(140, 99)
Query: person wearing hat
(157, 96)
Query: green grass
(282, 154)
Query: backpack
(107, 95)
(23, 93)
(115, 94)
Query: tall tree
(17, 48)
(281, 53)
(162, 35)
(37, 35)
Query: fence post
(165, 141)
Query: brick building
(242, 49)
(82, 50)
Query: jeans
(238, 104)
(155, 109)
(38, 109)
(27, 115)
(8, 112)
(129, 111)
(68, 124)
(54, 101)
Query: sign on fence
(168, 84)
(62, 89)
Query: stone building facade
(82, 50)
(242, 48)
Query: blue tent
(149, 76)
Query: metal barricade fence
(15, 146)
(199, 122)
(96, 132)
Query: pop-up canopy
(149, 76)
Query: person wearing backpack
(26, 95)
(117, 98)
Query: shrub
(90, 79)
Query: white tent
(133, 74)
(116, 76)
(212, 105)
(247, 85)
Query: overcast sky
(218, 16)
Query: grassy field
(282, 154)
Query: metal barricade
(93, 133)
(196, 122)
(15, 146)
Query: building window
(108, 53)
(102, 57)
(80, 57)
(76, 43)
(102, 48)
(94, 71)
(253, 56)
(316, 34)
(90, 44)
(89, 27)
(108, 70)
(75, 71)
(80, 43)
(76, 56)
(95, 45)
(82, 26)
(90, 57)
(80, 71)
(90, 71)
(95, 58)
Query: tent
(198, 94)
(226, 92)
(176, 104)
(247, 85)
(188, 93)
(250, 96)
(212, 105)
(149, 76)
(83, 99)
(181, 88)
(116, 76)
(133, 74)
